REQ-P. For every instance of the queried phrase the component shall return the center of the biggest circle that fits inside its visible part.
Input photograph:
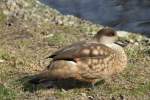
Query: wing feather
(81, 50)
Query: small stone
(1, 61)
(139, 38)
(71, 22)
(83, 94)
(136, 43)
(6, 12)
(131, 41)
(91, 97)
(50, 35)
(123, 34)
(63, 90)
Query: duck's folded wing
(67, 49)
(80, 50)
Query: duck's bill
(121, 43)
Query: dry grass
(23, 51)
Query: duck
(88, 61)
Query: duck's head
(106, 35)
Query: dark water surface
(129, 15)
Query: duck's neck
(119, 51)
(115, 47)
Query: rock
(83, 94)
(123, 33)
(6, 12)
(1, 61)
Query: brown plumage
(88, 61)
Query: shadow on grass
(57, 84)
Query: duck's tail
(42, 77)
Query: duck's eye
(110, 34)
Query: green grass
(22, 64)
(61, 39)
(142, 89)
(22, 51)
(4, 55)
(2, 16)
(6, 94)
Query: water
(129, 15)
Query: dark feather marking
(75, 51)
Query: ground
(24, 47)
